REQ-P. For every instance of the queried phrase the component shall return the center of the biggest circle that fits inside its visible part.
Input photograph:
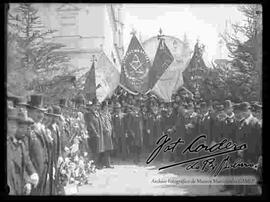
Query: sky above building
(199, 21)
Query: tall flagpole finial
(93, 58)
(160, 35)
(133, 31)
(160, 31)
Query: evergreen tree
(247, 54)
(37, 55)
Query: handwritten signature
(209, 161)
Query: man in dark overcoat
(21, 176)
(37, 143)
(94, 128)
(248, 131)
(118, 131)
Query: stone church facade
(85, 29)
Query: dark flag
(195, 68)
(90, 84)
(162, 61)
(135, 68)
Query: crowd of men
(38, 138)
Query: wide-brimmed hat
(36, 102)
(23, 118)
(11, 96)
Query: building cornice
(165, 36)
(96, 50)
(79, 36)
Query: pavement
(126, 178)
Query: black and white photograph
(124, 99)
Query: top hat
(23, 118)
(228, 104)
(36, 102)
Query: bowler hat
(62, 102)
(228, 104)
(49, 112)
(220, 107)
(80, 99)
(56, 110)
(20, 101)
(36, 102)
(203, 105)
(11, 96)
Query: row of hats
(35, 102)
(18, 115)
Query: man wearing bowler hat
(248, 131)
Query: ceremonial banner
(107, 77)
(90, 84)
(162, 61)
(195, 68)
(170, 81)
(135, 68)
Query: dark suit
(92, 120)
(39, 157)
(119, 135)
(249, 132)
(136, 130)
(180, 132)
(19, 166)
